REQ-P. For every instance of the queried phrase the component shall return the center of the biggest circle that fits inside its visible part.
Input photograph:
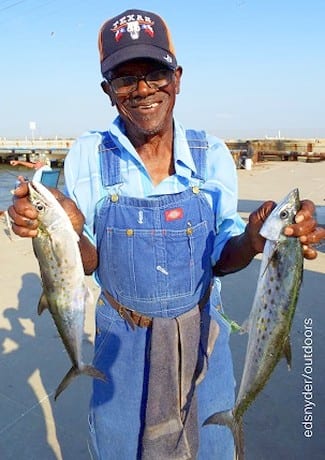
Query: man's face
(145, 110)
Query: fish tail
(74, 372)
(67, 379)
(93, 372)
(235, 425)
(238, 433)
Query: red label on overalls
(174, 214)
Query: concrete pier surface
(33, 360)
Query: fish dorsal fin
(244, 328)
(42, 304)
(234, 326)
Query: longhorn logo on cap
(133, 27)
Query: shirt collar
(183, 161)
(118, 130)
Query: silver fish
(65, 293)
(271, 315)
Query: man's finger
(24, 231)
(305, 227)
(314, 237)
(261, 214)
(21, 190)
(309, 252)
(23, 220)
(306, 211)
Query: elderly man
(161, 225)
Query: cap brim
(139, 52)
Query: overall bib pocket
(174, 262)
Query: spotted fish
(271, 315)
(65, 293)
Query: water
(8, 177)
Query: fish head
(50, 212)
(281, 216)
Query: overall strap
(109, 161)
(198, 145)
(110, 156)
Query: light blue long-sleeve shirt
(84, 185)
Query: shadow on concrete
(248, 205)
(33, 361)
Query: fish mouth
(282, 215)
(292, 196)
(37, 187)
(39, 192)
(34, 189)
(31, 185)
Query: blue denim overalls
(155, 259)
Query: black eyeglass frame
(153, 84)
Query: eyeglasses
(155, 80)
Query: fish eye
(284, 214)
(39, 206)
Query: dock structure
(29, 150)
(308, 150)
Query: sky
(251, 68)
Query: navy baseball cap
(135, 34)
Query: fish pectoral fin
(235, 327)
(91, 371)
(287, 354)
(42, 304)
(275, 249)
(244, 328)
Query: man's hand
(255, 221)
(305, 227)
(24, 215)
